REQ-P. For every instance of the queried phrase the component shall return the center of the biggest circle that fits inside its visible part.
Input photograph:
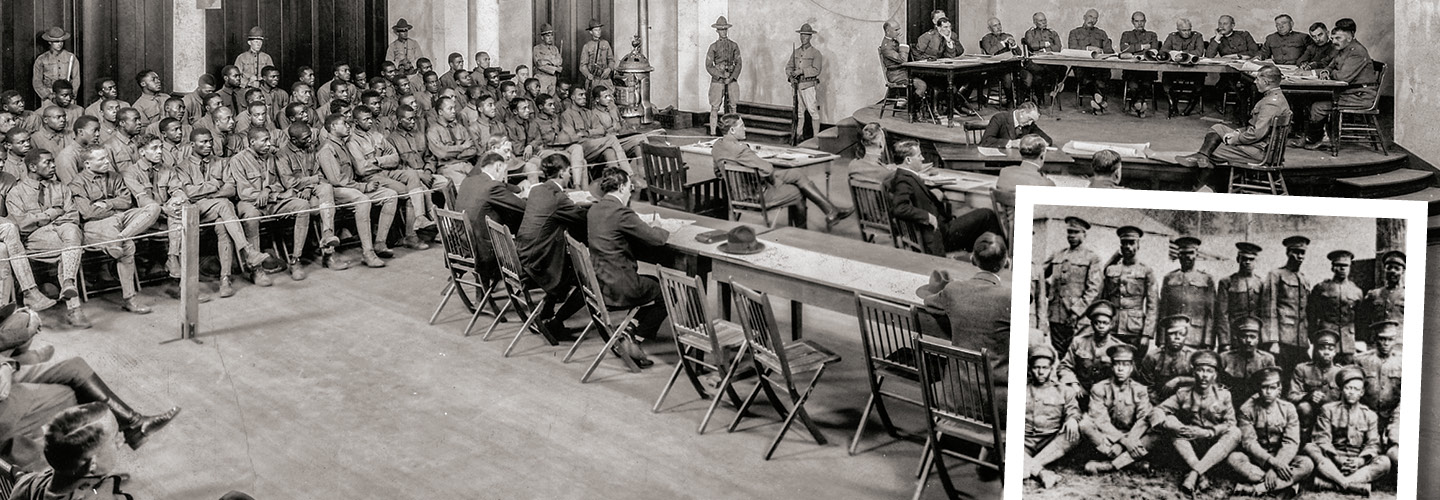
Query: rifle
(799, 118)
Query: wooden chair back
(589, 286)
(508, 258)
(684, 297)
(1276, 141)
(455, 237)
(959, 394)
(906, 236)
(1374, 102)
(872, 209)
(887, 330)
(745, 186)
(757, 319)
(664, 170)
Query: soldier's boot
(135, 426)
(1201, 158)
(1324, 484)
(1122, 461)
(1097, 467)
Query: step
(761, 120)
(764, 109)
(1388, 184)
(1429, 195)
(767, 132)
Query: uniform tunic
(805, 61)
(1269, 430)
(994, 43)
(1238, 296)
(1194, 44)
(1135, 293)
(1047, 407)
(931, 45)
(1190, 293)
(1131, 41)
(1076, 276)
(1285, 294)
(1238, 42)
(1318, 55)
(1160, 366)
(402, 52)
(1285, 49)
(1347, 431)
(1090, 36)
(1115, 407)
(1250, 142)
(1035, 39)
(1237, 367)
(1380, 304)
(1331, 305)
(1309, 377)
(250, 64)
(597, 62)
(1210, 408)
(893, 61)
(1087, 360)
(51, 66)
(1382, 380)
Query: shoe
(133, 305)
(139, 431)
(330, 241)
(68, 290)
(1298, 142)
(335, 262)
(1313, 145)
(1049, 478)
(414, 243)
(384, 252)
(423, 222)
(1096, 467)
(297, 273)
(372, 260)
(37, 301)
(559, 332)
(227, 289)
(261, 278)
(839, 215)
(1362, 489)
(76, 318)
(255, 258)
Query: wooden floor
(336, 388)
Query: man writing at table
(940, 231)
(729, 147)
(1005, 129)
(1224, 144)
(1352, 64)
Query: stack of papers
(1086, 148)
(990, 151)
(581, 197)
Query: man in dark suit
(1006, 129)
(940, 231)
(729, 147)
(978, 308)
(486, 194)
(615, 230)
(549, 214)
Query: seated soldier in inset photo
(1118, 423)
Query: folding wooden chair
(699, 340)
(461, 260)
(886, 330)
(599, 314)
(960, 404)
(778, 363)
(665, 178)
(516, 283)
(1266, 177)
(872, 209)
(1361, 125)
(906, 236)
(746, 190)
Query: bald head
(1183, 24)
(1039, 20)
(994, 25)
(1092, 16)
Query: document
(990, 151)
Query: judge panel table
(1147, 173)
(966, 66)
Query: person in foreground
(616, 233)
(1346, 442)
(941, 232)
(1201, 415)
(1052, 418)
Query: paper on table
(989, 151)
(1125, 150)
(580, 196)
(1082, 53)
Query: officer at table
(1088, 37)
(1183, 39)
(1223, 144)
(1230, 43)
(938, 43)
(1038, 78)
(1285, 45)
(997, 42)
(1138, 84)
(1352, 64)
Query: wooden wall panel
(21, 22)
(315, 33)
(119, 38)
(570, 18)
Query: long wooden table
(968, 65)
(699, 153)
(1147, 173)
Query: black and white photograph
(1179, 350)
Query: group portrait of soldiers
(1276, 382)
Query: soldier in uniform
(1183, 39)
(1230, 43)
(1040, 79)
(1283, 306)
(890, 57)
(723, 63)
(1238, 295)
(1285, 45)
(252, 61)
(1239, 365)
(1313, 382)
(1346, 442)
(1132, 287)
(1118, 422)
(1052, 418)
(1352, 64)
(1268, 459)
(1087, 361)
(938, 43)
(1331, 305)
(997, 42)
(803, 70)
(1382, 370)
(1223, 144)
(1190, 292)
(1201, 415)
(54, 64)
(547, 59)
(1075, 280)
(1386, 302)
(597, 59)
(1139, 85)
(1168, 368)
(1088, 37)
(404, 52)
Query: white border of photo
(1413, 212)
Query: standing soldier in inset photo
(1385, 302)
(1075, 275)
(54, 64)
(803, 70)
(1239, 365)
(1332, 303)
(1283, 297)
(723, 63)
(1132, 287)
(1190, 292)
(1238, 294)
(597, 58)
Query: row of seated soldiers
(1288, 302)
(1232, 407)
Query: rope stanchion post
(189, 272)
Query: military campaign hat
(805, 29)
(55, 34)
(1073, 222)
(1296, 241)
(1247, 247)
(1129, 232)
(546, 29)
(256, 33)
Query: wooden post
(189, 272)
